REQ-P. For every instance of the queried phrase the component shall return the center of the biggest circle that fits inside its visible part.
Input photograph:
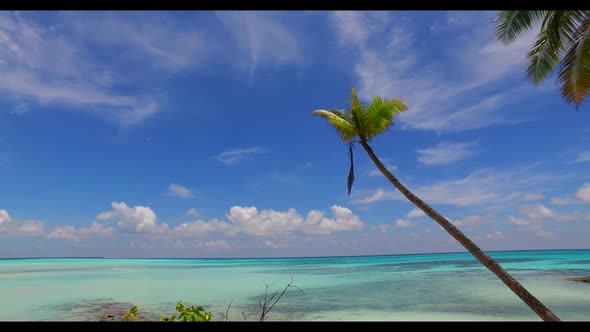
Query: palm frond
(357, 113)
(511, 23)
(542, 58)
(555, 37)
(380, 113)
(574, 73)
(561, 27)
(350, 179)
(341, 122)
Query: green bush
(131, 314)
(189, 314)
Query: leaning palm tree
(359, 125)
(563, 40)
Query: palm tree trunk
(528, 298)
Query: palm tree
(359, 125)
(563, 39)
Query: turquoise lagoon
(421, 287)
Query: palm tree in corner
(563, 41)
(359, 125)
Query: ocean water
(422, 287)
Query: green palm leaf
(555, 37)
(341, 122)
(380, 113)
(574, 73)
(542, 59)
(511, 23)
(357, 113)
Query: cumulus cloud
(583, 193)
(401, 223)
(13, 228)
(533, 219)
(201, 227)
(518, 221)
(233, 156)
(67, 232)
(541, 211)
(276, 244)
(193, 212)
(179, 191)
(446, 153)
(217, 244)
(469, 221)
(415, 213)
(383, 228)
(495, 235)
(561, 201)
(251, 221)
(137, 219)
(4, 217)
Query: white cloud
(276, 244)
(544, 233)
(535, 215)
(67, 232)
(218, 244)
(29, 228)
(469, 221)
(383, 228)
(533, 197)
(137, 219)
(4, 217)
(440, 91)
(479, 187)
(377, 172)
(583, 193)
(401, 223)
(519, 221)
(561, 201)
(158, 42)
(415, 213)
(495, 235)
(233, 156)
(14, 228)
(44, 65)
(179, 191)
(542, 212)
(254, 222)
(582, 157)
(193, 212)
(263, 38)
(201, 227)
(380, 195)
(446, 153)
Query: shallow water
(421, 287)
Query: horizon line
(287, 257)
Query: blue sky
(189, 134)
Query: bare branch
(227, 311)
(276, 297)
